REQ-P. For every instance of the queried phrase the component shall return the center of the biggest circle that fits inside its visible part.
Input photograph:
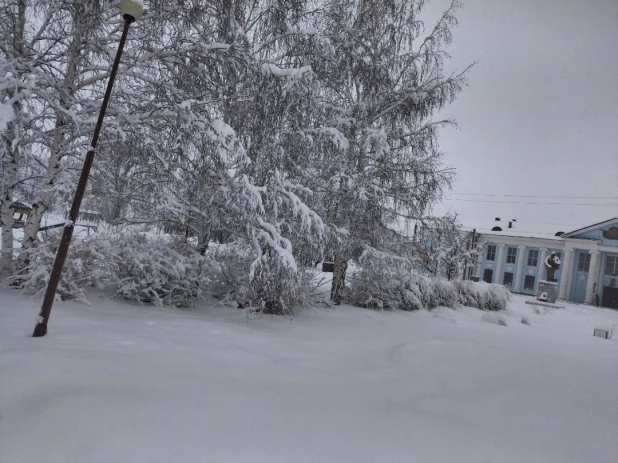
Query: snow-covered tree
(383, 82)
(439, 248)
(294, 127)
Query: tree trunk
(202, 242)
(12, 152)
(338, 285)
(59, 146)
(6, 221)
(31, 228)
(8, 182)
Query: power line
(530, 202)
(532, 196)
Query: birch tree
(384, 82)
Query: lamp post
(131, 11)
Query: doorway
(582, 267)
(610, 297)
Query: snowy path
(117, 383)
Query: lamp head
(132, 10)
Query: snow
(286, 72)
(117, 382)
(6, 116)
(306, 31)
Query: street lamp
(131, 11)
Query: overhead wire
(530, 202)
(531, 196)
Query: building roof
(538, 230)
(591, 227)
(20, 205)
(522, 230)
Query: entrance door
(610, 297)
(578, 287)
(488, 275)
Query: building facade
(589, 262)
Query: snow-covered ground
(121, 383)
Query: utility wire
(532, 196)
(530, 202)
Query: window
(511, 255)
(529, 282)
(533, 258)
(611, 265)
(508, 279)
(584, 262)
(488, 275)
(491, 252)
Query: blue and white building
(589, 262)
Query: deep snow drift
(131, 384)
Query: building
(589, 261)
(20, 213)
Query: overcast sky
(540, 115)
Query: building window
(508, 279)
(491, 252)
(488, 275)
(533, 258)
(529, 282)
(511, 256)
(611, 265)
(584, 263)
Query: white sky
(540, 116)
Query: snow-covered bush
(482, 295)
(279, 291)
(388, 283)
(271, 289)
(229, 280)
(496, 296)
(134, 265)
(84, 268)
(379, 284)
(157, 270)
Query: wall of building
(580, 286)
(500, 266)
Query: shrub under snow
(135, 266)
(482, 295)
(156, 269)
(84, 268)
(389, 283)
(273, 288)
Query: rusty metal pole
(50, 293)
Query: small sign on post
(328, 267)
(601, 333)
